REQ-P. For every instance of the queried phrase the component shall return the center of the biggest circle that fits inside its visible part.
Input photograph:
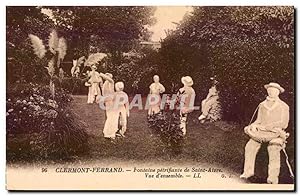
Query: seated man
(272, 120)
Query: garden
(50, 51)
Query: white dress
(155, 90)
(112, 116)
(122, 110)
(210, 106)
(94, 89)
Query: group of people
(102, 87)
(272, 116)
(187, 91)
(210, 106)
(116, 111)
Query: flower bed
(45, 127)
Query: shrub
(74, 86)
(244, 47)
(167, 125)
(48, 128)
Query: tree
(108, 29)
(20, 22)
(245, 47)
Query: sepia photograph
(150, 98)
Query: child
(122, 105)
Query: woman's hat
(187, 80)
(274, 85)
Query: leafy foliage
(55, 130)
(20, 22)
(58, 47)
(167, 124)
(38, 46)
(53, 42)
(107, 29)
(141, 66)
(94, 58)
(245, 47)
(87, 30)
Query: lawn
(217, 144)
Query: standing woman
(156, 88)
(187, 97)
(93, 84)
(121, 101)
(108, 85)
(112, 116)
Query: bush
(167, 125)
(44, 127)
(74, 86)
(241, 94)
(244, 47)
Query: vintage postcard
(177, 98)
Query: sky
(165, 16)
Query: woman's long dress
(112, 116)
(123, 109)
(211, 107)
(154, 98)
(94, 89)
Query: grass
(219, 144)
